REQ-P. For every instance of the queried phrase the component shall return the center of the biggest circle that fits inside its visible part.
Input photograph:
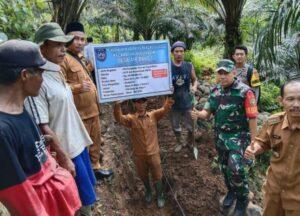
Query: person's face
(224, 78)
(32, 81)
(239, 56)
(178, 53)
(291, 99)
(140, 106)
(54, 51)
(78, 42)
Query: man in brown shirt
(77, 74)
(143, 125)
(281, 135)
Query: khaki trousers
(274, 208)
(148, 163)
(92, 126)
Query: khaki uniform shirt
(87, 103)
(283, 175)
(143, 129)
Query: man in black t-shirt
(31, 182)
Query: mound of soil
(193, 186)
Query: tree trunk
(66, 11)
(233, 37)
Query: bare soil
(197, 185)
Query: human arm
(260, 144)
(77, 87)
(16, 191)
(159, 113)
(194, 80)
(62, 158)
(251, 113)
(255, 83)
(122, 119)
(203, 114)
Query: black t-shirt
(22, 149)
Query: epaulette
(276, 118)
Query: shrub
(269, 98)
(205, 58)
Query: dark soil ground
(196, 184)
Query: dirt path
(197, 185)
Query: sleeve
(160, 113)
(122, 119)
(76, 88)
(263, 138)
(250, 105)
(38, 107)
(16, 192)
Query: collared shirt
(87, 103)
(55, 106)
(143, 129)
(283, 175)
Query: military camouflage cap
(53, 32)
(226, 65)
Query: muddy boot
(229, 199)
(148, 192)
(178, 146)
(241, 207)
(160, 194)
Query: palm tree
(278, 46)
(151, 19)
(230, 13)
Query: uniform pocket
(76, 74)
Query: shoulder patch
(275, 119)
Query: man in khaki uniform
(144, 139)
(281, 135)
(77, 74)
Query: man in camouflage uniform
(234, 108)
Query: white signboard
(132, 70)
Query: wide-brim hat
(226, 65)
(53, 32)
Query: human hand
(169, 102)
(118, 102)
(250, 151)
(67, 164)
(194, 114)
(86, 86)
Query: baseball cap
(23, 54)
(226, 65)
(53, 32)
(178, 44)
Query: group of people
(59, 127)
(51, 137)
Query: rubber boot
(229, 199)
(160, 194)
(148, 192)
(241, 207)
(178, 142)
